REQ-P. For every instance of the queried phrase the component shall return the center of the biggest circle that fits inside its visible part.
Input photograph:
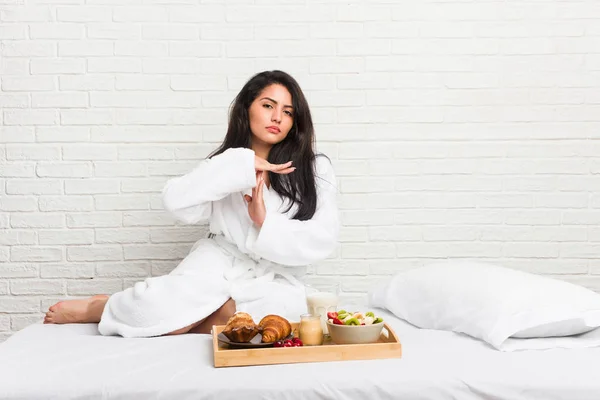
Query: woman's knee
(228, 308)
(219, 317)
(224, 312)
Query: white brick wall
(458, 130)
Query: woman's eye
(267, 105)
(289, 113)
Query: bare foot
(74, 311)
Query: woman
(271, 206)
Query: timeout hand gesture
(256, 203)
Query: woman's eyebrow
(270, 99)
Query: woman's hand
(260, 164)
(256, 203)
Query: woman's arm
(189, 197)
(292, 242)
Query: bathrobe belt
(248, 267)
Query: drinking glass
(321, 299)
(310, 331)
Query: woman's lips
(273, 129)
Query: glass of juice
(310, 331)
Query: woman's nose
(276, 116)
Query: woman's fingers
(259, 190)
(263, 165)
(279, 167)
(259, 193)
(286, 171)
(256, 206)
(260, 164)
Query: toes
(49, 318)
(54, 307)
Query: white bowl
(354, 334)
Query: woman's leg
(219, 317)
(90, 310)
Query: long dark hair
(298, 187)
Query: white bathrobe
(257, 267)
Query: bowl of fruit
(354, 327)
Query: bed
(75, 362)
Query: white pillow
(488, 302)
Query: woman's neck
(261, 150)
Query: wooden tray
(388, 346)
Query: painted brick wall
(463, 130)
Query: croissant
(274, 328)
(240, 328)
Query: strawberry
(337, 321)
(332, 315)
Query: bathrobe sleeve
(298, 243)
(189, 197)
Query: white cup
(321, 299)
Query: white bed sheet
(75, 362)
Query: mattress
(75, 362)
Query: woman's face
(271, 115)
